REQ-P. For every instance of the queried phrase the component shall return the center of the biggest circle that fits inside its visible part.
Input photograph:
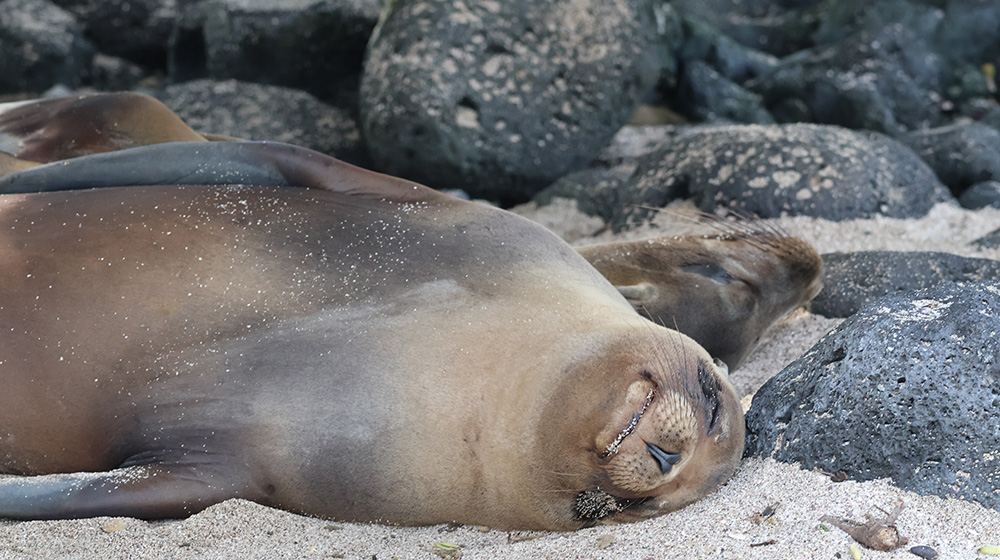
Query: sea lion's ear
(10, 164)
(639, 295)
(56, 129)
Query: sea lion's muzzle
(664, 459)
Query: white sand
(720, 526)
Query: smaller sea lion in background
(723, 290)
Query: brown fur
(366, 350)
(723, 289)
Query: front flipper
(143, 491)
(262, 164)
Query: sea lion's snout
(662, 458)
(675, 436)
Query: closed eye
(710, 391)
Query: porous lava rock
(853, 280)
(501, 98)
(314, 45)
(801, 169)
(908, 389)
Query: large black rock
(981, 195)
(136, 30)
(262, 112)
(853, 280)
(314, 45)
(962, 155)
(809, 170)
(501, 98)
(908, 388)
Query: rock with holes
(908, 388)
(801, 169)
(501, 98)
(853, 280)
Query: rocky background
(610, 110)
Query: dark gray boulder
(809, 170)
(262, 112)
(884, 80)
(314, 45)
(41, 45)
(135, 30)
(595, 191)
(736, 62)
(961, 155)
(779, 27)
(981, 195)
(908, 388)
(890, 66)
(707, 96)
(712, 69)
(500, 99)
(853, 280)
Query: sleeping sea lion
(723, 290)
(362, 349)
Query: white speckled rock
(801, 169)
(905, 389)
(500, 98)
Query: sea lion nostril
(664, 459)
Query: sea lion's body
(366, 349)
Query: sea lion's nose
(664, 459)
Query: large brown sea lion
(364, 349)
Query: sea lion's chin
(665, 446)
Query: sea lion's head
(723, 289)
(662, 427)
